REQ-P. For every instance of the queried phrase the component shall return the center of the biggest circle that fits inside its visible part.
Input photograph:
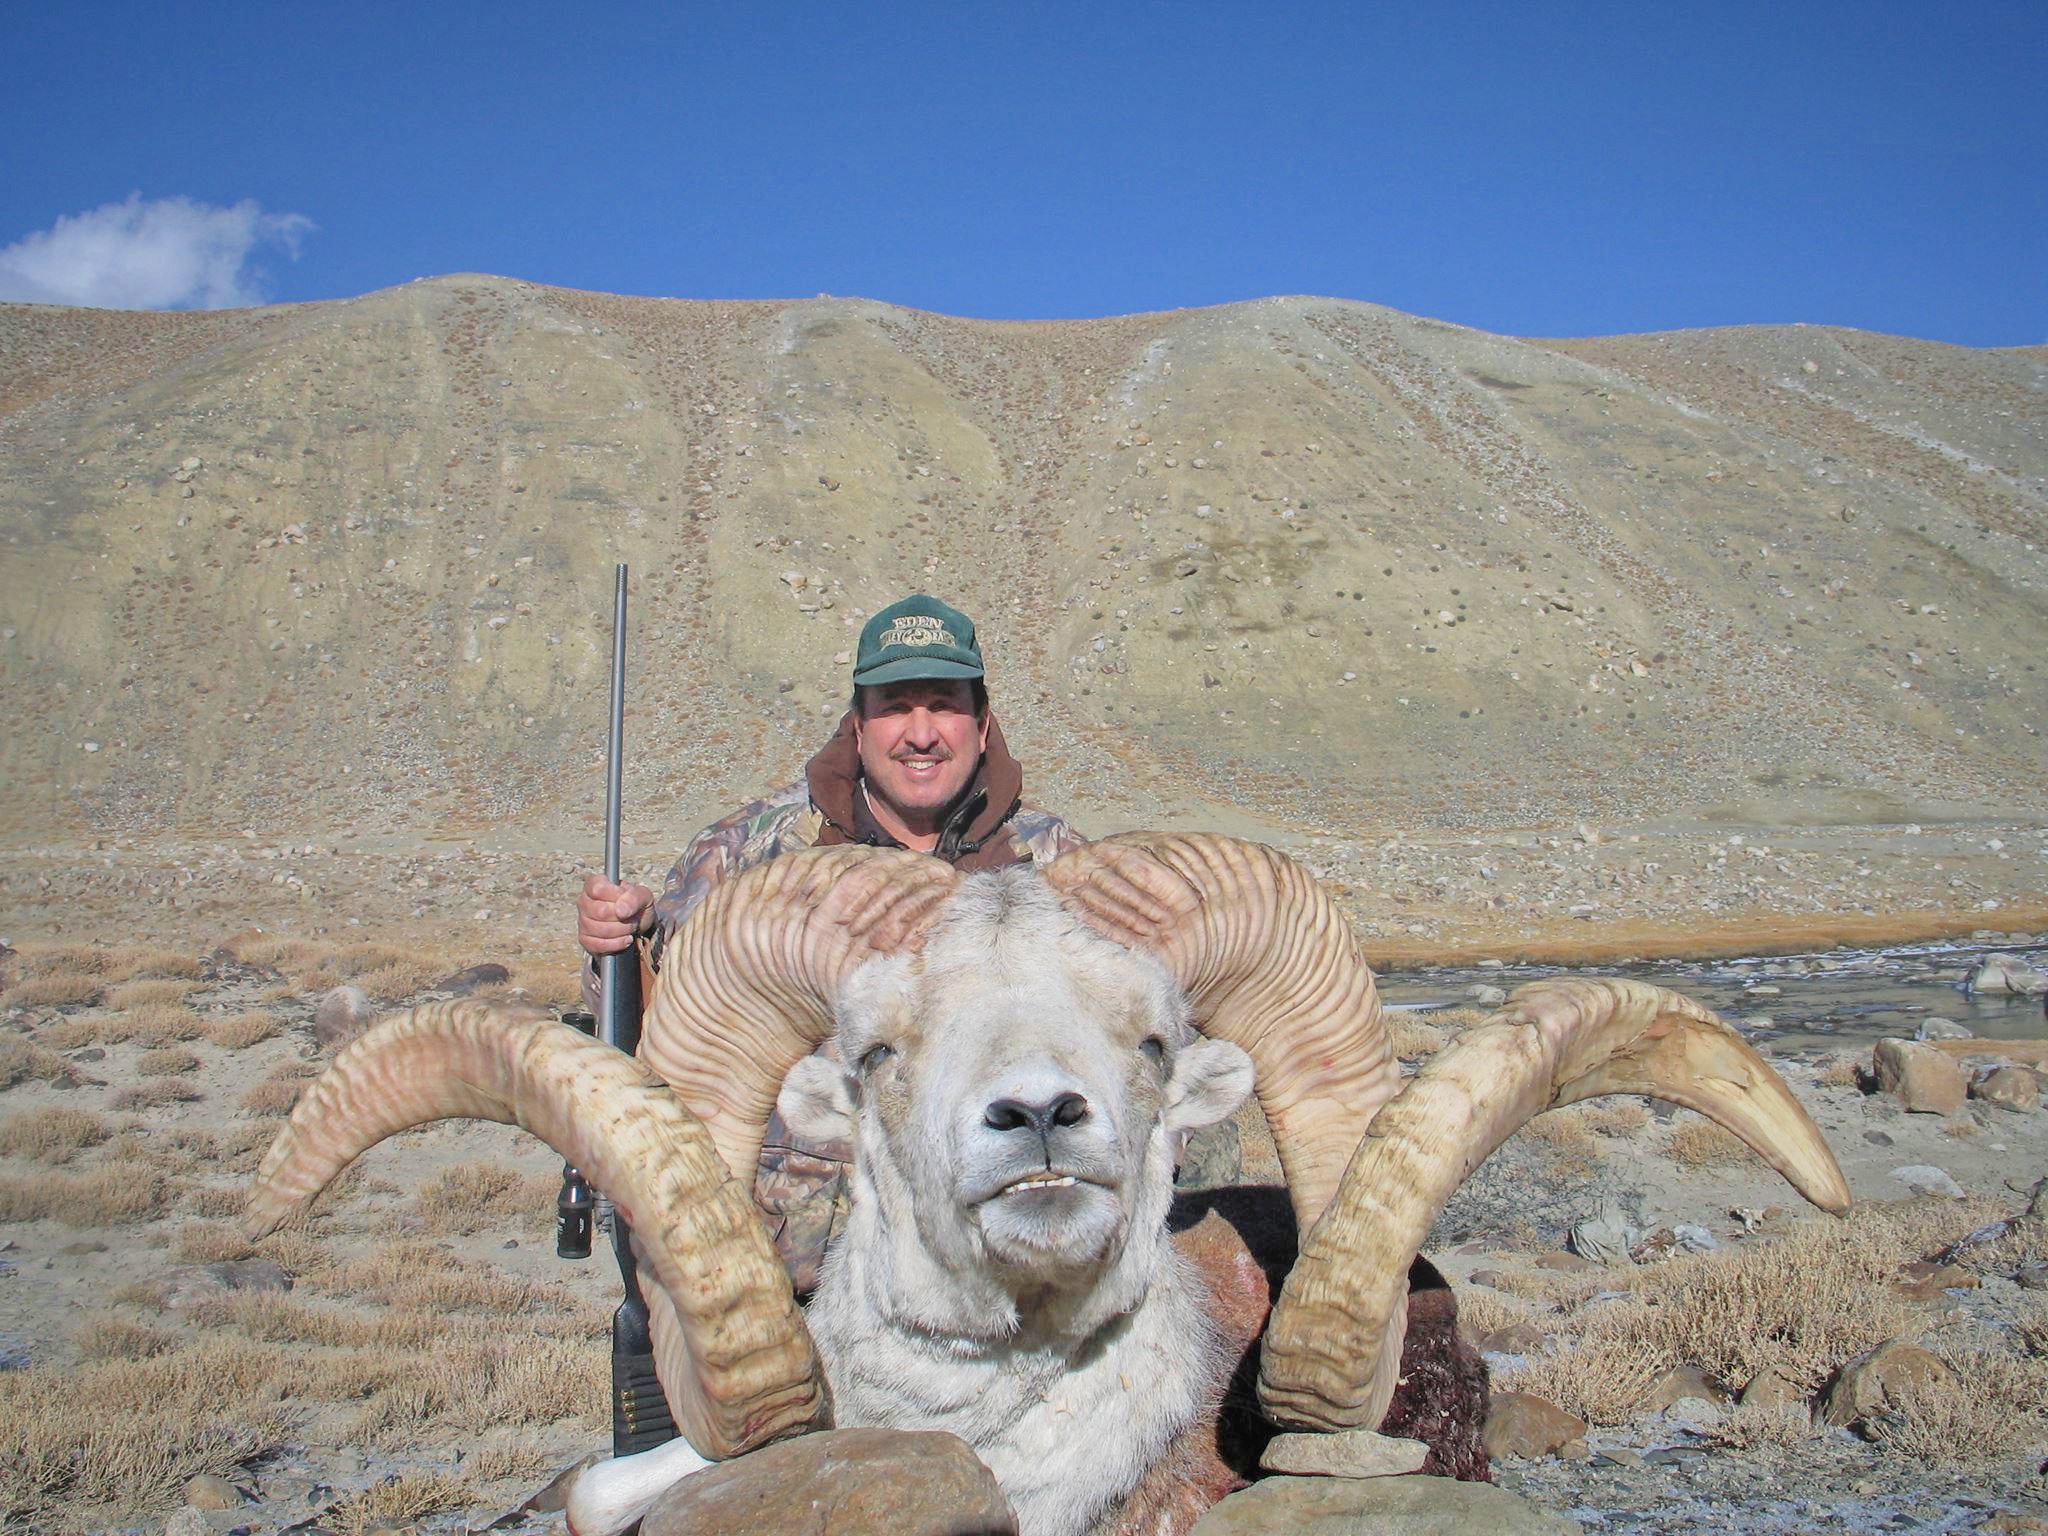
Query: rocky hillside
(1294, 566)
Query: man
(917, 762)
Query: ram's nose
(1040, 1119)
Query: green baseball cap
(916, 637)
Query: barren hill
(1300, 567)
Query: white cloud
(167, 253)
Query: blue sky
(1526, 168)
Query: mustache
(938, 753)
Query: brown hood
(973, 827)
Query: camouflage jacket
(800, 1185)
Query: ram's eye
(874, 1057)
(1153, 1047)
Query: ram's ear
(1210, 1079)
(817, 1099)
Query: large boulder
(1379, 1506)
(1923, 1079)
(1523, 1424)
(845, 1482)
(2007, 1087)
(2007, 973)
(1879, 1381)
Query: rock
(1877, 1381)
(1486, 996)
(1380, 1506)
(1922, 1078)
(1774, 1387)
(1344, 1453)
(341, 1015)
(2012, 1523)
(1926, 1179)
(469, 978)
(849, 1482)
(1934, 1027)
(1928, 1281)
(1523, 1424)
(1687, 1381)
(186, 1287)
(2007, 1087)
(1604, 1238)
(187, 1522)
(1569, 1263)
(2006, 973)
(209, 1490)
(1523, 1338)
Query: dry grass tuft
(166, 1061)
(157, 1092)
(1700, 1143)
(1781, 1427)
(1841, 1071)
(1410, 1037)
(396, 982)
(549, 983)
(22, 1060)
(116, 1338)
(140, 994)
(102, 1197)
(1483, 1310)
(131, 960)
(51, 1134)
(208, 1242)
(69, 1034)
(1571, 1140)
(1993, 1409)
(1803, 1304)
(215, 1202)
(272, 1096)
(471, 1197)
(1615, 1117)
(129, 1433)
(153, 1024)
(239, 1031)
(54, 989)
(400, 1501)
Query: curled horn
(1326, 1361)
(746, 985)
(1267, 963)
(733, 1355)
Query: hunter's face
(920, 743)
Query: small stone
(1879, 1380)
(1486, 996)
(1935, 1027)
(341, 1015)
(1686, 1381)
(1344, 1453)
(2008, 1087)
(209, 1490)
(1926, 1179)
(1571, 1263)
(196, 1283)
(1774, 1387)
(187, 1522)
(1928, 1281)
(488, 973)
(1522, 1338)
(1523, 1424)
(1923, 1079)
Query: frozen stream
(1800, 1003)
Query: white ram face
(1020, 1088)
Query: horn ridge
(737, 1366)
(1328, 1346)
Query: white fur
(1056, 1330)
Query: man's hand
(607, 915)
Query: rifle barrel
(615, 1028)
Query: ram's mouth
(1040, 1182)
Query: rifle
(640, 1415)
